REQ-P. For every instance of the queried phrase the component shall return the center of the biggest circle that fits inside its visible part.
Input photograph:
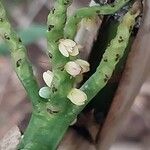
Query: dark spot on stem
(75, 16)
(18, 63)
(98, 11)
(57, 41)
(106, 78)
(20, 40)
(65, 20)
(6, 36)
(50, 27)
(117, 57)
(50, 55)
(52, 111)
(105, 60)
(1, 20)
(112, 5)
(54, 89)
(120, 39)
(130, 29)
(62, 69)
(53, 10)
(66, 2)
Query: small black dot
(113, 5)
(66, 2)
(105, 60)
(51, 111)
(20, 40)
(50, 55)
(98, 11)
(106, 78)
(53, 10)
(50, 27)
(6, 36)
(117, 57)
(18, 63)
(120, 39)
(57, 40)
(54, 89)
(130, 29)
(1, 20)
(62, 69)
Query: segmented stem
(56, 23)
(19, 58)
(87, 12)
(111, 57)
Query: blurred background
(29, 20)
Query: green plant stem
(112, 55)
(52, 126)
(21, 64)
(87, 12)
(45, 133)
(56, 22)
(51, 119)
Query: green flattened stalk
(87, 12)
(20, 61)
(112, 55)
(56, 23)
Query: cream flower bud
(48, 77)
(77, 97)
(73, 68)
(68, 47)
(84, 65)
(44, 92)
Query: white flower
(77, 97)
(44, 92)
(77, 67)
(68, 47)
(48, 77)
(72, 68)
(83, 64)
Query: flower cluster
(77, 67)
(77, 97)
(68, 47)
(74, 68)
(44, 92)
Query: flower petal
(69, 42)
(73, 122)
(44, 92)
(69, 49)
(72, 68)
(63, 50)
(83, 64)
(77, 97)
(48, 77)
(75, 51)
